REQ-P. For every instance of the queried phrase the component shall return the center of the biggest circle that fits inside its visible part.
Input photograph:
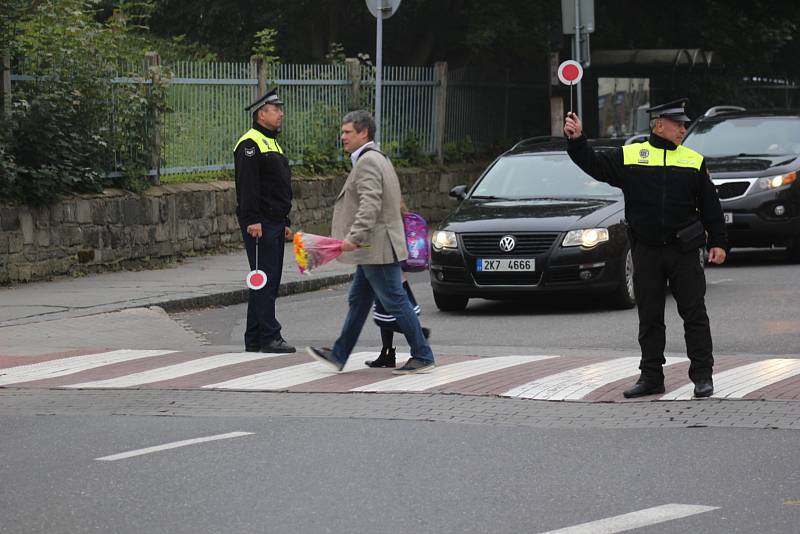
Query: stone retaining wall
(102, 231)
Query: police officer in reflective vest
(264, 198)
(673, 210)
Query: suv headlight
(588, 238)
(442, 239)
(772, 182)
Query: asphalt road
(385, 463)
(752, 301)
(333, 475)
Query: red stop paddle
(256, 279)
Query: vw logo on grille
(507, 243)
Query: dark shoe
(640, 389)
(386, 359)
(324, 355)
(426, 332)
(415, 365)
(252, 348)
(278, 345)
(703, 388)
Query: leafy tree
(61, 136)
(265, 45)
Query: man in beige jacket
(367, 218)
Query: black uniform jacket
(659, 200)
(263, 183)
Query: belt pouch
(692, 237)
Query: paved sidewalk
(194, 282)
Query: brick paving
(458, 409)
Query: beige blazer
(367, 212)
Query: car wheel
(450, 302)
(624, 297)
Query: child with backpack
(416, 230)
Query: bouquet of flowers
(312, 251)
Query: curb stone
(239, 296)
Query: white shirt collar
(354, 155)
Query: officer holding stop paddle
(672, 210)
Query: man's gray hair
(361, 119)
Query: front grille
(732, 189)
(508, 279)
(528, 244)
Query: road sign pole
(378, 78)
(577, 56)
(380, 9)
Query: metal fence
(422, 107)
(488, 107)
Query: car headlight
(442, 239)
(772, 182)
(587, 238)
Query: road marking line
(633, 520)
(720, 281)
(173, 445)
(294, 375)
(72, 365)
(174, 371)
(575, 384)
(449, 373)
(737, 382)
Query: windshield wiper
(549, 198)
(744, 155)
(488, 197)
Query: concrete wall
(113, 228)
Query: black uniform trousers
(653, 268)
(262, 326)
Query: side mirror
(459, 192)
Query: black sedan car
(753, 158)
(532, 223)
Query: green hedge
(71, 126)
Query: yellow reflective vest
(264, 143)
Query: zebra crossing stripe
(287, 377)
(72, 365)
(577, 383)
(174, 371)
(634, 520)
(449, 373)
(737, 382)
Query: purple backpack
(416, 242)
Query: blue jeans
(383, 282)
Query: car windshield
(539, 176)
(746, 136)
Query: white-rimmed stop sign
(256, 279)
(570, 72)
